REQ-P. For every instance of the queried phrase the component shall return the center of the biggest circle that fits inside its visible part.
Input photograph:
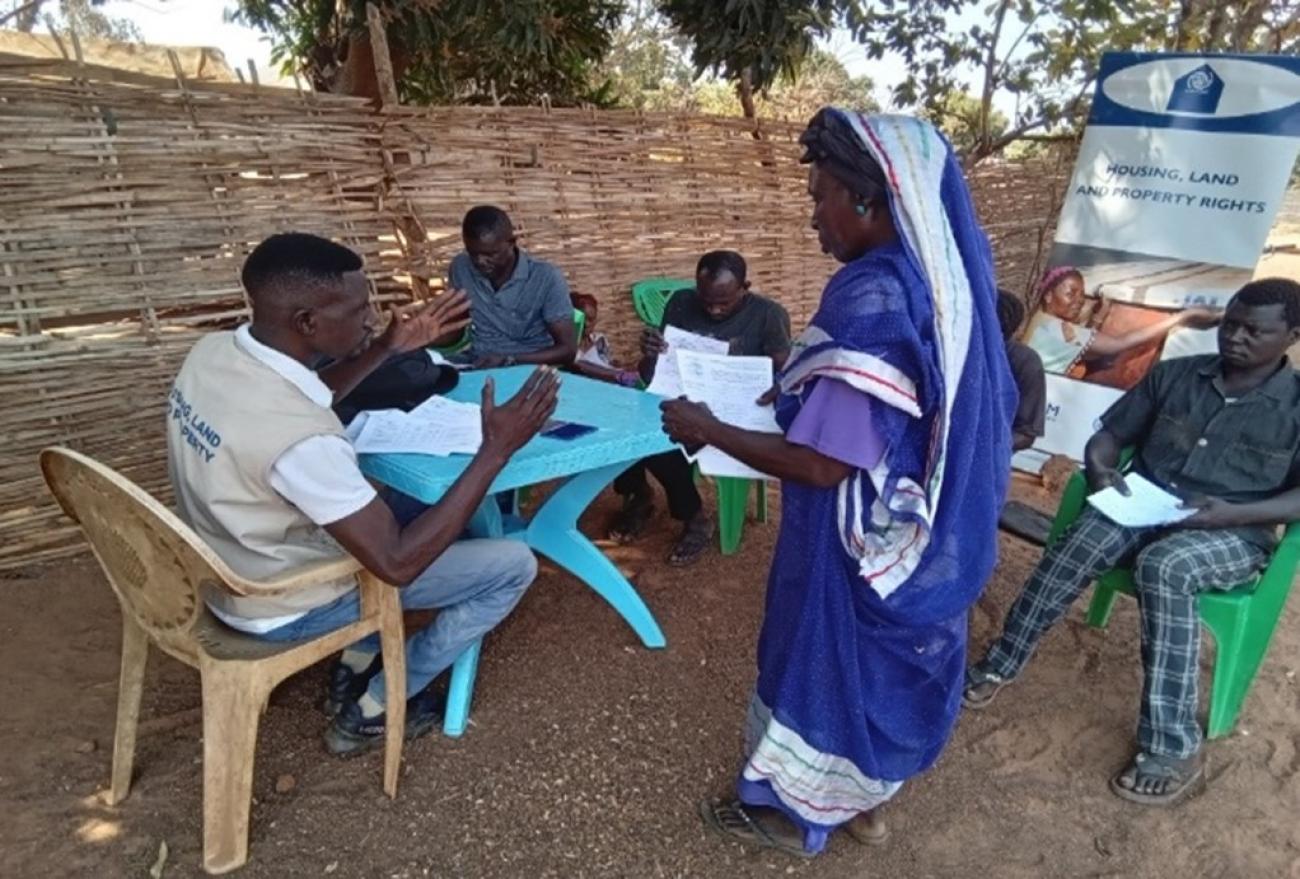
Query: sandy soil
(587, 753)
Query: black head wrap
(830, 142)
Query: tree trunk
(356, 74)
(984, 136)
(1187, 15)
(745, 90)
(1249, 20)
(1215, 30)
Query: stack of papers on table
(437, 426)
(730, 387)
(1147, 504)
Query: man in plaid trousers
(1222, 432)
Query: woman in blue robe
(895, 407)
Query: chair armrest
(299, 578)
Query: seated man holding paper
(721, 315)
(271, 482)
(1222, 434)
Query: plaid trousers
(1170, 568)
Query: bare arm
(1020, 440)
(414, 326)
(398, 555)
(693, 425)
(1101, 462)
(563, 352)
(1108, 346)
(1103, 345)
(652, 345)
(1215, 513)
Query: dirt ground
(588, 753)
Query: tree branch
(27, 14)
(1020, 132)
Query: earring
(861, 209)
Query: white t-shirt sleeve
(321, 477)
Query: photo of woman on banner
(1088, 340)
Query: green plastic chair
(650, 297)
(455, 347)
(733, 504)
(1242, 619)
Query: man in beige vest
(265, 474)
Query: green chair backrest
(456, 347)
(650, 297)
(580, 324)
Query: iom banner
(1181, 171)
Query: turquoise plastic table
(628, 429)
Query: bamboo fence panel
(128, 203)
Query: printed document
(1146, 506)
(730, 387)
(667, 380)
(438, 426)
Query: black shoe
(351, 733)
(346, 685)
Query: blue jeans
(474, 585)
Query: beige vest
(230, 417)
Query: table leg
(553, 531)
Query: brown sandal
(731, 819)
(868, 828)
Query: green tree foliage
(446, 51)
(648, 68)
(960, 116)
(752, 42)
(1045, 53)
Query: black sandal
(981, 686)
(631, 521)
(695, 540)
(729, 818)
(1155, 780)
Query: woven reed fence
(127, 204)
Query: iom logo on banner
(1197, 92)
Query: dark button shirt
(513, 320)
(1031, 383)
(1193, 440)
(759, 327)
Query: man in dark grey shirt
(720, 306)
(1027, 371)
(519, 306)
(1223, 433)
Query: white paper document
(1146, 506)
(437, 426)
(730, 387)
(667, 380)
